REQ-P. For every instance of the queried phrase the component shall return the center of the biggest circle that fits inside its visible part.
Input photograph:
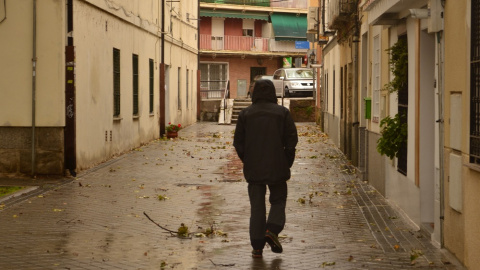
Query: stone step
(238, 106)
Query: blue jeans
(259, 223)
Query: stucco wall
(96, 34)
(17, 88)
(16, 64)
(239, 69)
(332, 128)
(461, 235)
(375, 164)
(99, 28)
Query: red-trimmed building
(244, 38)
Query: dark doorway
(254, 71)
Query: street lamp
(313, 57)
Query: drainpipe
(441, 132)
(162, 75)
(198, 62)
(34, 68)
(417, 104)
(355, 121)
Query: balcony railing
(233, 43)
(290, 4)
(214, 89)
(340, 11)
(240, 2)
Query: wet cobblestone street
(97, 220)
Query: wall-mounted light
(420, 13)
(260, 61)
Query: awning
(233, 14)
(289, 26)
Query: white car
(293, 81)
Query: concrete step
(238, 106)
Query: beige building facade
(461, 152)
(411, 180)
(95, 91)
(357, 70)
(435, 179)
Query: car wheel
(287, 94)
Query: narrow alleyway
(97, 221)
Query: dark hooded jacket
(265, 137)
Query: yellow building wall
(461, 235)
(16, 49)
(133, 27)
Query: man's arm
(290, 138)
(239, 137)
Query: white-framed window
(376, 80)
(248, 26)
(213, 79)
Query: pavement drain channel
(97, 221)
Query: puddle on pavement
(232, 172)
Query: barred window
(135, 83)
(326, 90)
(403, 113)
(116, 82)
(186, 89)
(179, 86)
(333, 91)
(150, 82)
(213, 80)
(475, 85)
(342, 89)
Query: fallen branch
(219, 264)
(170, 231)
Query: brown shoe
(257, 253)
(272, 240)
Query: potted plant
(172, 130)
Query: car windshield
(299, 73)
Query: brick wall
(239, 69)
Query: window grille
(326, 90)
(475, 85)
(403, 114)
(333, 91)
(151, 84)
(342, 89)
(116, 82)
(135, 83)
(186, 89)
(213, 80)
(179, 85)
(403, 151)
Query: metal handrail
(226, 95)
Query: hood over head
(264, 90)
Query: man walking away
(265, 140)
